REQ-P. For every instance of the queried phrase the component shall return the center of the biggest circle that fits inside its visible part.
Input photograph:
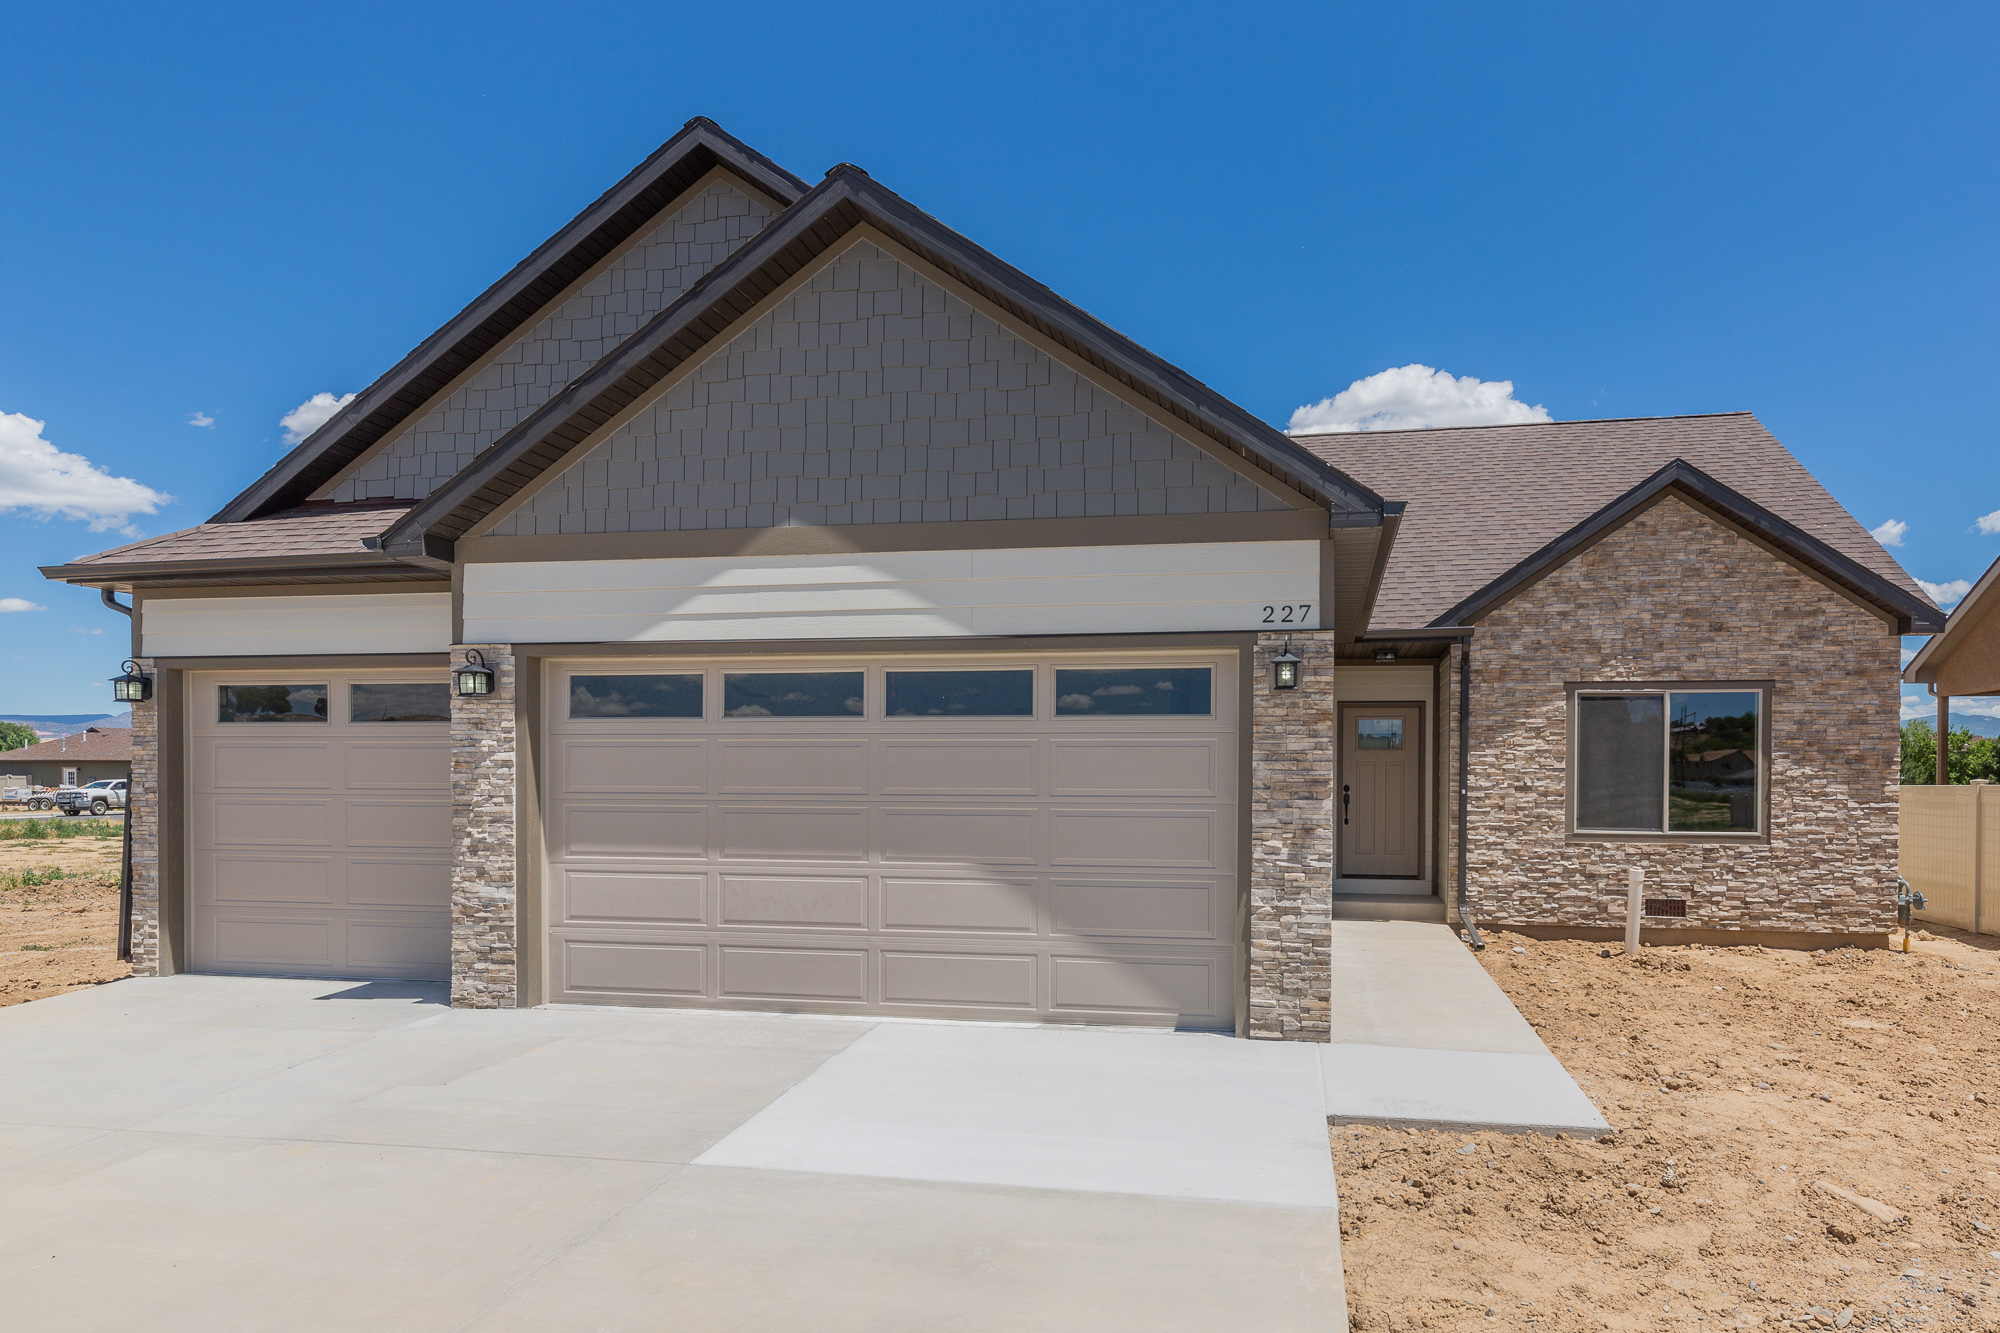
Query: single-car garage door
(319, 823)
(1047, 837)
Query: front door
(1380, 803)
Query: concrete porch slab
(1422, 1037)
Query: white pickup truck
(96, 797)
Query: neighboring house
(873, 631)
(1963, 660)
(93, 753)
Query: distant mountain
(1975, 723)
(51, 725)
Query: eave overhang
(1910, 614)
(1924, 667)
(507, 307)
(847, 199)
(243, 572)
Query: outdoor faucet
(1908, 900)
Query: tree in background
(15, 735)
(1972, 757)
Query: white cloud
(1909, 656)
(40, 478)
(1890, 533)
(1415, 398)
(18, 604)
(200, 419)
(1944, 594)
(1925, 706)
(310, 415)
(1990, 523)
(77, 629)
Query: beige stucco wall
(1675, 595)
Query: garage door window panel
(425, 701)
(270, 703)
(675, 695)
(1133, 692)
(947, 694)
(755, 694)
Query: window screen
(1620, 761)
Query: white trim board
(1196, 586)
(399, 622)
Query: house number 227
(1292, 614)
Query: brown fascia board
(508, 306)
(1685, 479)
(846, 199)
(250, 569)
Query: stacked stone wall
(142, 809)
(1676, 596)
(484, 970)
(1291, 842)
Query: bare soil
(61, 935)
(1737, 1079)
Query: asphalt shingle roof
(1484, 498)
(317, 531)
(94, 743)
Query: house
(764, 597)
(1962, 660)
(72, 761)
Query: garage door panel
(401, 765)
(794, 974)
(631, 831)
(959, 768)
(958, 904)
(405, 822)
(1187, 909)
(959, 980)
(237, 821)
(793, 768)
(272, 942)
(1103, 766)
(265, 879)
(406, 948)
(246, 766)
(594, 967)
(633, 898)
(794, 900)
(794, 833)
(958, 835)
(375, 881)
(1084, 836)
(1136, 985)
(634, 767)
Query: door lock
(1346, 798)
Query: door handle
(1346, 797)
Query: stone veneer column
(142, 809)
(483, 971)
(1292, 737)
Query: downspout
(1464, 782)
(125, 857)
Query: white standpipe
(1635, 885)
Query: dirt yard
(58, 933)
(1739, 1080)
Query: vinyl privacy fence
(1951, 853)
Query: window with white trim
(1673, 760)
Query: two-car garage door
(1027, 837)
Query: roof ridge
(1511, 425)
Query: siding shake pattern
(875, 396)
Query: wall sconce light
(475, 677)
(132, 687)
(1385, 654)
(1285, 669)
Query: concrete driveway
(235, 1154)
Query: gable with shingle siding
(875, 395)
(563, 344)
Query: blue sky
(216, 212)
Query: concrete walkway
(218, 1154)
(1422, 1037)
